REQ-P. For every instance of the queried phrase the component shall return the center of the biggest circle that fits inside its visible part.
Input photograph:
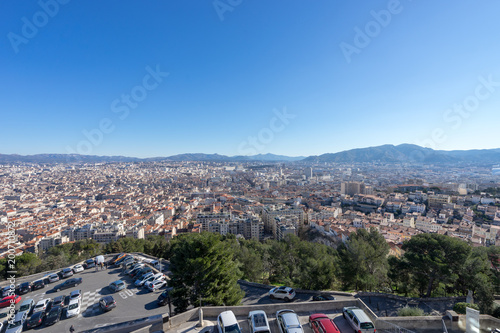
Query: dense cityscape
(56, 204)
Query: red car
(7, 300)
(320, 323)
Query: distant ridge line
(403, 153)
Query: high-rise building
(352, 188)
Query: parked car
(163, 299)
(6, 301)
(358, 319)
(53, 278)
(24, 288)
(73, 282)
(320, 323)
(59, 301)
(78, 268)
(284, 293)
(73, 308)
(288, 322)
(65, 273)
(38, 284)
(143, 272)
(35, 320)
(117, 285)
(53, 316)
(133, 267)
(75, 294)
(155, 264)
(3, 318)
(323, 297)
(107, 303)
(227, 323)
(41, 305)
(155, 284)
(118, 259)
(6, 291)
(136, 271)
(27, 306)
(89, 263)
(145, 278)
(257, 322)
(127, 262)
(16, 325)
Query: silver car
(16, 326)
(257, 321)
(288, 322)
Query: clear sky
(157, 78)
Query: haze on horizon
(243, 78)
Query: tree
(363, 260)
(399, 274)
(251, 259)
(434, 258)
(203, 271)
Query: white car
(155, 284)
(75, 294)
(73, 308)
(41, 305)
(227, 323)
(284, 293)
(78, 268)
(53, 278)
(148, 277)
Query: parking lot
(132, 302)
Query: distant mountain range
(409, 153)
(70, 158)
(384, 154)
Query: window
(367, 325)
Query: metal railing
(445, 329)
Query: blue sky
(245, 77)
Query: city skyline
(247, 78)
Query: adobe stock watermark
(455, 115)
(372, 29)
(255, 144)
(223, 6)
(29, 29)
(122, 107)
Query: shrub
(408, 311)
(460, 307)
(496, 312)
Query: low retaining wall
(299, 291)
(411, 323)
(181, 318)
(409, 299)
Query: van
(155, 264)
(358, 319)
